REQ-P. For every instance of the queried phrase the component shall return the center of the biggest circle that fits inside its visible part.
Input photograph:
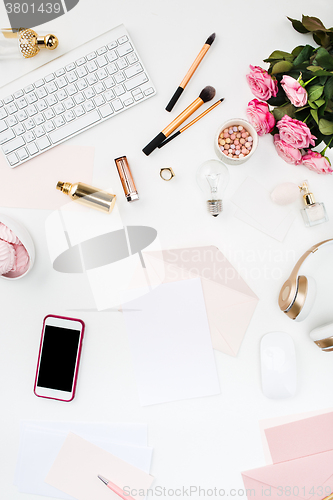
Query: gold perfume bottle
(88, 195)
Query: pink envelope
(307, 478)
(230, 302)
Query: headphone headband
(293, 285)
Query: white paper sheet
(41, 442)
(170, 342)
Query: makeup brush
(190, 72)
(191, 123)
(207, 94)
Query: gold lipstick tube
(126, 179)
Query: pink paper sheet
(33, 184)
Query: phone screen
(58, 358)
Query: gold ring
(169, 175)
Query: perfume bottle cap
(308, 197)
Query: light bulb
(212, 178)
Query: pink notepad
(33, 184)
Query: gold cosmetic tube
(88, 195)
(126, 179)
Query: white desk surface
(203, 442)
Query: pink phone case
(78, 357)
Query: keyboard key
(41, 105)
(12, 159)
(43, 143)
(117, 104)
(29, 136)
(31, 98)
(91, 56)
(80, 61)
(119, 77)
(136, 91)
(102, 61)
(112, 45)
(8, 99)
(132, 58)
(101, 73)
(12, 145)
(91, 66)
(91, 79)
(61, 95)
(59, 108)
(19, 129)
(11, 121)
(89, 93)
(69, 103)
(121, 63)
(122, 39)
(60, 72)
(29, 124)
(109, 82)
(22, 115)
(89, 106)
(149, 91)
(11, 108)
(82, 84)
(101, 50)
(79, 111)
(39, 131)
(32, 148)
(136, 81)
(109, 95)
(3, 113)
(59, 121)
(138, 97)
(39, 119)
(49, 113)
(70, 66)
(79, 98)
(69, 115)
(71, 77)
(124, 49)
(51, 100)
(61, 82)
(39, 83)
(28, 88)
(112, 68)
(112, 56)
(71, 89)
(1, 104)
(18, 94)
(49, 78)
(3, 125)
(49, 126)
(106, 110)
(41, 92)
(99, 100)
(119, 90)
(75, 126)
(51, 87)
(128, 102)
(81, 71)
(133, 70)
(99, 88)
(22, 154)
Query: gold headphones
(295, 290)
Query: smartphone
(59, 358)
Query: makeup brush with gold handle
(188, 125)
(190, 72)
(207, 94)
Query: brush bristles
(207, 94)
(210, 39)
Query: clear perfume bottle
(314, 213)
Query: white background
(209, 441)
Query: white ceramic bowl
(231, 123)
(26, 240)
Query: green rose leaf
(328, 90)
(314, 92)
(323, 58)
(325, 126)
(298, 26)
(314, 114)
(281, 67)
(312, 105)
(321, 38)
(304, 55)
(279, 54)
(284, 110)
(320, 102)
(297, 50)
(312, 23)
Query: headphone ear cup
(309, 299)
(322, 336)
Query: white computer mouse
(278, 365)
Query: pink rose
(260, 117)
(295, 133)
(296, 94)
(261, 83)
(316, 162)
(287, 152)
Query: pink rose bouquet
(259, 115)
(297, 90)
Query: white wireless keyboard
(99, 80)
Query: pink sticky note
(33, 184)
(301, 438)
